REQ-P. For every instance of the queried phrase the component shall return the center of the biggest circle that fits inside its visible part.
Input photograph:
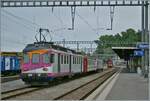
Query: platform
(127, 86)
(122, 86)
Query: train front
(37, 66)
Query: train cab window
(52, 58)
(62, 59)
(26, 58)
(35, 58)
(46, 58)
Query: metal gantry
(61, 3)
(74, 3)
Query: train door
(58, 62)
(70, 63)
(85, 64)
(81, 64)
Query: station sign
(143, 46)
(138, 53)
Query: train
(109, 63)
(10, 63)
(45, 61)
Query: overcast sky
(17, 32)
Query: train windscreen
(26, 58)
(35, 58)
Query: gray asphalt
(129, 86)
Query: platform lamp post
(146, 40)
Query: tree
(125, 38)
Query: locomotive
(44, 61)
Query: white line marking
(99, 90)
(106, 91)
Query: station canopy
(124, 52)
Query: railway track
(85, 90)
(17, 92)
(27, 89)
(78, 93)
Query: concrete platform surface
(129, 86)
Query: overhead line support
(46, 3)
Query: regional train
(45, 61)
(109, 63)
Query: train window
(26, 58)
(76, 60)
(79, 60)
(52, 58)
(46, 58)
(67, 59)
(73, 59)
(35, 58)
(62, 59)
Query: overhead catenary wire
(63, 26)
(85, 21)
(20, 18)
(20, 23)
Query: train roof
(47, 45)
(11, 54)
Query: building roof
(125, 52)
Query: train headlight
(39, 74)
(45, 69)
